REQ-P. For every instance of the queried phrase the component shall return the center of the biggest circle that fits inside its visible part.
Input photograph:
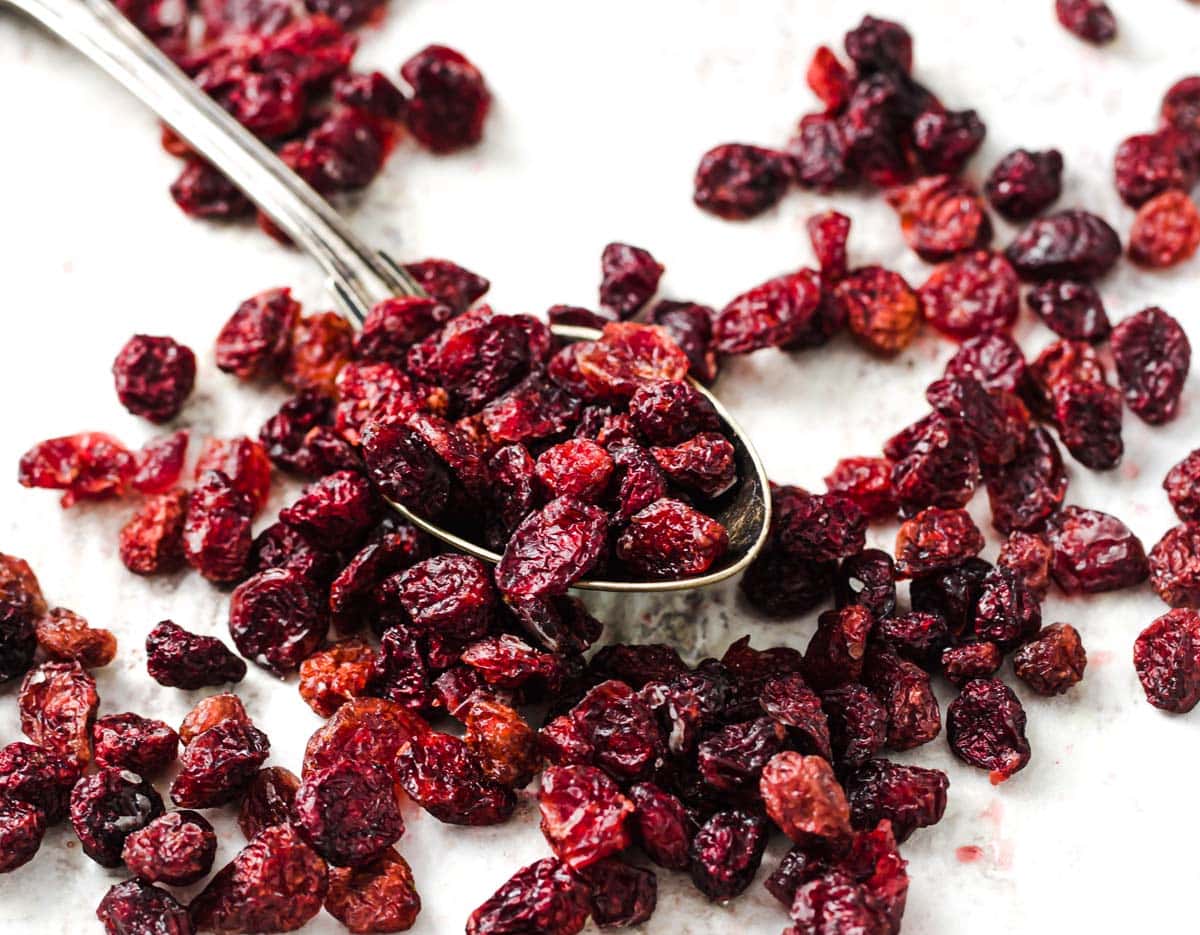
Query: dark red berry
(1094, 552)
(135, 907)
(736, 181)
(276, 619)
(216, 529)
(268, 800)
(160, 463)
(1153, 356)
(132, 742)
(630, 279)
(107, 807)
(31, 774)
(22, 827)
(882, 310)
(910, 797)
(940, 216)
(57, 703)
(994, 359)
(584, 814)
(661, 826)
(176, 848)
(880, 45)
(968, 661)
(257, 339)
(217, 764)
(445, 778)
(1167, 658)
(154, 375)
(669, 539)
(377, 897)
(1090, 20)
(945, 140)
(803, 797)
(971, 295)
(204, 192)
(1166, 231)
(1182, 485)
(348, 812)
(545, 897)
(88, 466)
(1067, 245)
(1024, 182)
(726, 853)
(936, 539)
(857, 724)
(1149, 164)
(985, 725)
(904, 690)
(690, 326)
(452, 285)
(772, 314)
(179, 659)
(449, 100)
(1053, 661)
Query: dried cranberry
(661, 826)
(869, 579)
(552, 548)
(209, 712)
(22, 827)
(179, 659)
(218, 763)
(1094, 551)
(153, 376)
(704, 465)
(452, 285)
(960, 664)
(1090, 20)
(448, 593)
(1153, 356)
(342, 153)
(936, 539)
(1053, 662)
(88, 466)
(772, 314)
(952, 593)
(803, 797)
(1166, 231)
(1006, 612)
(276, 620)
(789, 701)
(690, 326)
(395, 324)
(376, 897)
(203, 191)
(504, 743)
(575, 468)
(534, 408)
(820, 154)
(1089, 423)
(274, 884)
(669, 539)
(333, 676)
(1166, 656)
(781, 585)
(444, 777)
(1149, 164)
(940, 216)
(216, 529)
(256, 340)
(176, 848)
(160, 462)
(334, 512)
(829, 79)
(880, 45)
(1027, 490)
(995, 429)
(934, 464)
(904, 690)
(400, 672)
(621, 895)
(57, 703)
(910, 797)
(630, 278)
(151, 542)
(668, 413)
(867, 482)
(994, 359)
(449, 99)
(736, 181)
(545, 897)
(1072, 310)
(138, 744)
(1028, 556)
(404, 468)
(985, 725)
(945, 140)
(321, 347)
(819, 528)
(882, 310)
(732, 759)
(1181, 109)
(971, 295)
(835, 653)
(1067, 245)
(136, 907)
(1023, 183)
(364, 729)
(34, 775)
(618, 730)
(107, 807)
(65, 636)
(348, 812)
(726, 853)
(1182, 485)
(857, 724)
(917, 635)
(268, 800)
(584, 814)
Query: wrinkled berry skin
(1024, 182)
(378, 897)
(29, 773)
(1153, 356)
(1090, 20)
(87, 466)
(1053, 661)
(138, 744)
(22, 827)
(135, 907)
(216, 530)
(268, 800)
(910, 797)
(772, 314)
(218, 763)
(1030, 488)
(1175, 566)
(630, 278)
(882, 310)
(622, 895)
(108, 806)
(176, 848)
(444, 777)
(334, 512)
(154, 376)
(452, 285)
(985, 726)
(972, 294)
(803, 797)
(179, 659)
(904, 690)
(661, 826)
(993, 359)
(21, 605)
(1148, 164)
(276, 621)
(669, 539)
(209, 712)
(57, 703)
(1094, 552)
(736, 181)
(584, 814)
(449, 100)
(275, 884)
(1067, 245)
(857, 724)
(935, 540)
(348, 812)
(962, 664)
(1166, 231)
(1166, 656)
(255, 341)
(544, 898)
(726, 853)
(1182, 485)
(65, 636)
(151, 543)
(941, 216)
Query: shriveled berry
(176, 848)
(107, 807)
(857, 724)
(945, 140)
(154, 375)
(1090, 20)
(835, 653)
(209, 712)
(622, 895)
(348, 812)
(985, 726)
(1006, 612)
(1166, 231)
(996, 424)
(244, 462)
(630, 278)
(618, 731)
(904, 690)
(934, 463)
(256, 340)
(1153, 356)
(160, 463)
(22, 827)
(917, 636)
(732, 759)
(882, 310)
(1148, 164)
(994, 359)
(940, 216)
(1027, 490)
(781, 585)
(970, 295)
(1094, 552)
(218, 763)
(333, 676)
(449, 101)
(448, 593)
(130, 741)
(216, 529)
(963, 663)
(276, 883)
(1175, 566)
(1024, 182)
(690, 326)
(87, 466)
(803, 797)
(936, 539)
(504, 743)
(910, 797)
(575, 468)
(880, 45)
(334, 512)
(1166, 656)
(452, 285)
(276, 620)
(404, 468)
(820, 154)
(867, 482)
(704, 465)
(179, 659)
(1182, 485)
(545, 897)
(661, 826)
(823, 527)
(584, 814)
(669, 539)
(1069, 244)
(1053, 661)
(321, 347)
(397, 323)
(1181, 109)
(268, 800)
(151, 542)
(769, 315)
(203, 191)
(736, 181)
(669, 412)
(43, 779)
(365, 729)
(138, 908)
(65, 636)
(1028, 556)
(1072, 310)
(57, 703)
(552, 548)
(951, 593)
(828, 78)
(444, 777)
(1089, 422)
(726, 853)
(376, 897)
(828, 233)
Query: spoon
(356, 275)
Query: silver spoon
(356, 275)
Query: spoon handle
(356, 275)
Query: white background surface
(602, 111)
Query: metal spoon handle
(357, 275)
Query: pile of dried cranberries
(599, 457)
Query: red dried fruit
(276, 620)
(880, 45)
(732, 759)
(917, 636)
(788, 700)
(857, 724)
(628, 355)
(936, 539)
(868, 579)
(545, 897)
(829, 79)
(1090, 20)
(209, 712)
(137, 908)
(395, 324)
(321, 347)
(256, 340)
(160, 462)
(945, 140)
(376, 897)
(552, 548)
(342, 153)
(736, 181)
(910, 797)
(334, 512)
(107, 807)
(244, 462)
(369, 730)
(204, 192)
(452, 594)
(444, 777)
(1166, 231)
(617, 731)
(1072, 310)
(1053, 661)
(952, 593)
(940, 216)
(704, 465)
(1028, 556)
(1094, 552)
(781, 585)
(994, 359)
(1031, 487)
(22, 827)
(1153, 356)
(772, 314)
(1066, 245)
(217, 764)
(43, 779)
(835, 653)
(820, 154)
(934, 464)
(179, 659)
(1175, 566)
(828, 233)
(996, 425)
(449, 99)
(276, 883)
(835, 902)
(1006, 613)
(176, 848)
(404, 468)
(87, 466)
(1149, 164)
(504, 743)
(583, 814)
(866, 482)
(153, 376)
(21, 604)
(130, 741)
(65, 636)
(985, 726)
(151, 542)
(1089, 423)
(534, 408)
(668, 413)
(57, 702)
(726, 853)
(216, 529)
(669, 539)
(661, 826)
(401, 670)
(630, 278)
(621, 895)
(1024, 182)
(1181, 109)
(348, 812)
(1182, 485)
(268, 800)
(971, 295)
(690, 326)
(333, 676)
(1166, 656)
(804, 798)
(963, 663)
(904, 690)
(882, 310)
(576, 468)
(452, 285)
